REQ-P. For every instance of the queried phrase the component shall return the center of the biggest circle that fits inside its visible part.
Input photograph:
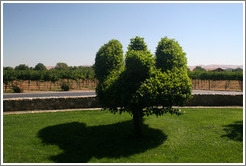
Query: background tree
(238, 69)
(37, 76)
(8, 68)
(61, 66)
(22, 67)
(218, 69)
(8, 76)
(40, 66)
(199, 68)
(143, 84)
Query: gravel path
(48, 94)
(92, 92)
(89, 93)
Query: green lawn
(198, 136)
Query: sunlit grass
(199, 136)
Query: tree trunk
(226, 84)
(37, 83)
(241, 85)
(138, 123)
(28, 84)
(50, 85)
(6, 86)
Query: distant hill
(207, 67)
(50, 67)
(213, 67)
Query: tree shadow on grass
(234, 131)
(80, 143)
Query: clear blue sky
(210, 33)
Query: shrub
(16, 86)
(65, 86)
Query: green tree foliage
(219, 69)
(8, 76)
(36, 76)
(238, 70)
(143, 85)
(53, 75)
(40, 66)
(170, 56)
(8, 68)
(137, 44)
(22, 67)
(199, 68)
(109, 59)
(61, 66)
(215, 75)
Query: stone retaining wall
(52, 103)
(49, 103)
(216, 100)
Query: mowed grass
(200, 136)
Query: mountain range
(207, 67)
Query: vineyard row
(80, 84)
(88, 74)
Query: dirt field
(48, 86)
(91, 84)
(218, 85)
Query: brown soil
(30, 86)
(230, 85)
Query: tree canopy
(199, 68)
(22, 67)
(144, 82)
(109, 59)
(61, 66)
(40, 66)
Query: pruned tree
(144, 83)
(109, 59)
